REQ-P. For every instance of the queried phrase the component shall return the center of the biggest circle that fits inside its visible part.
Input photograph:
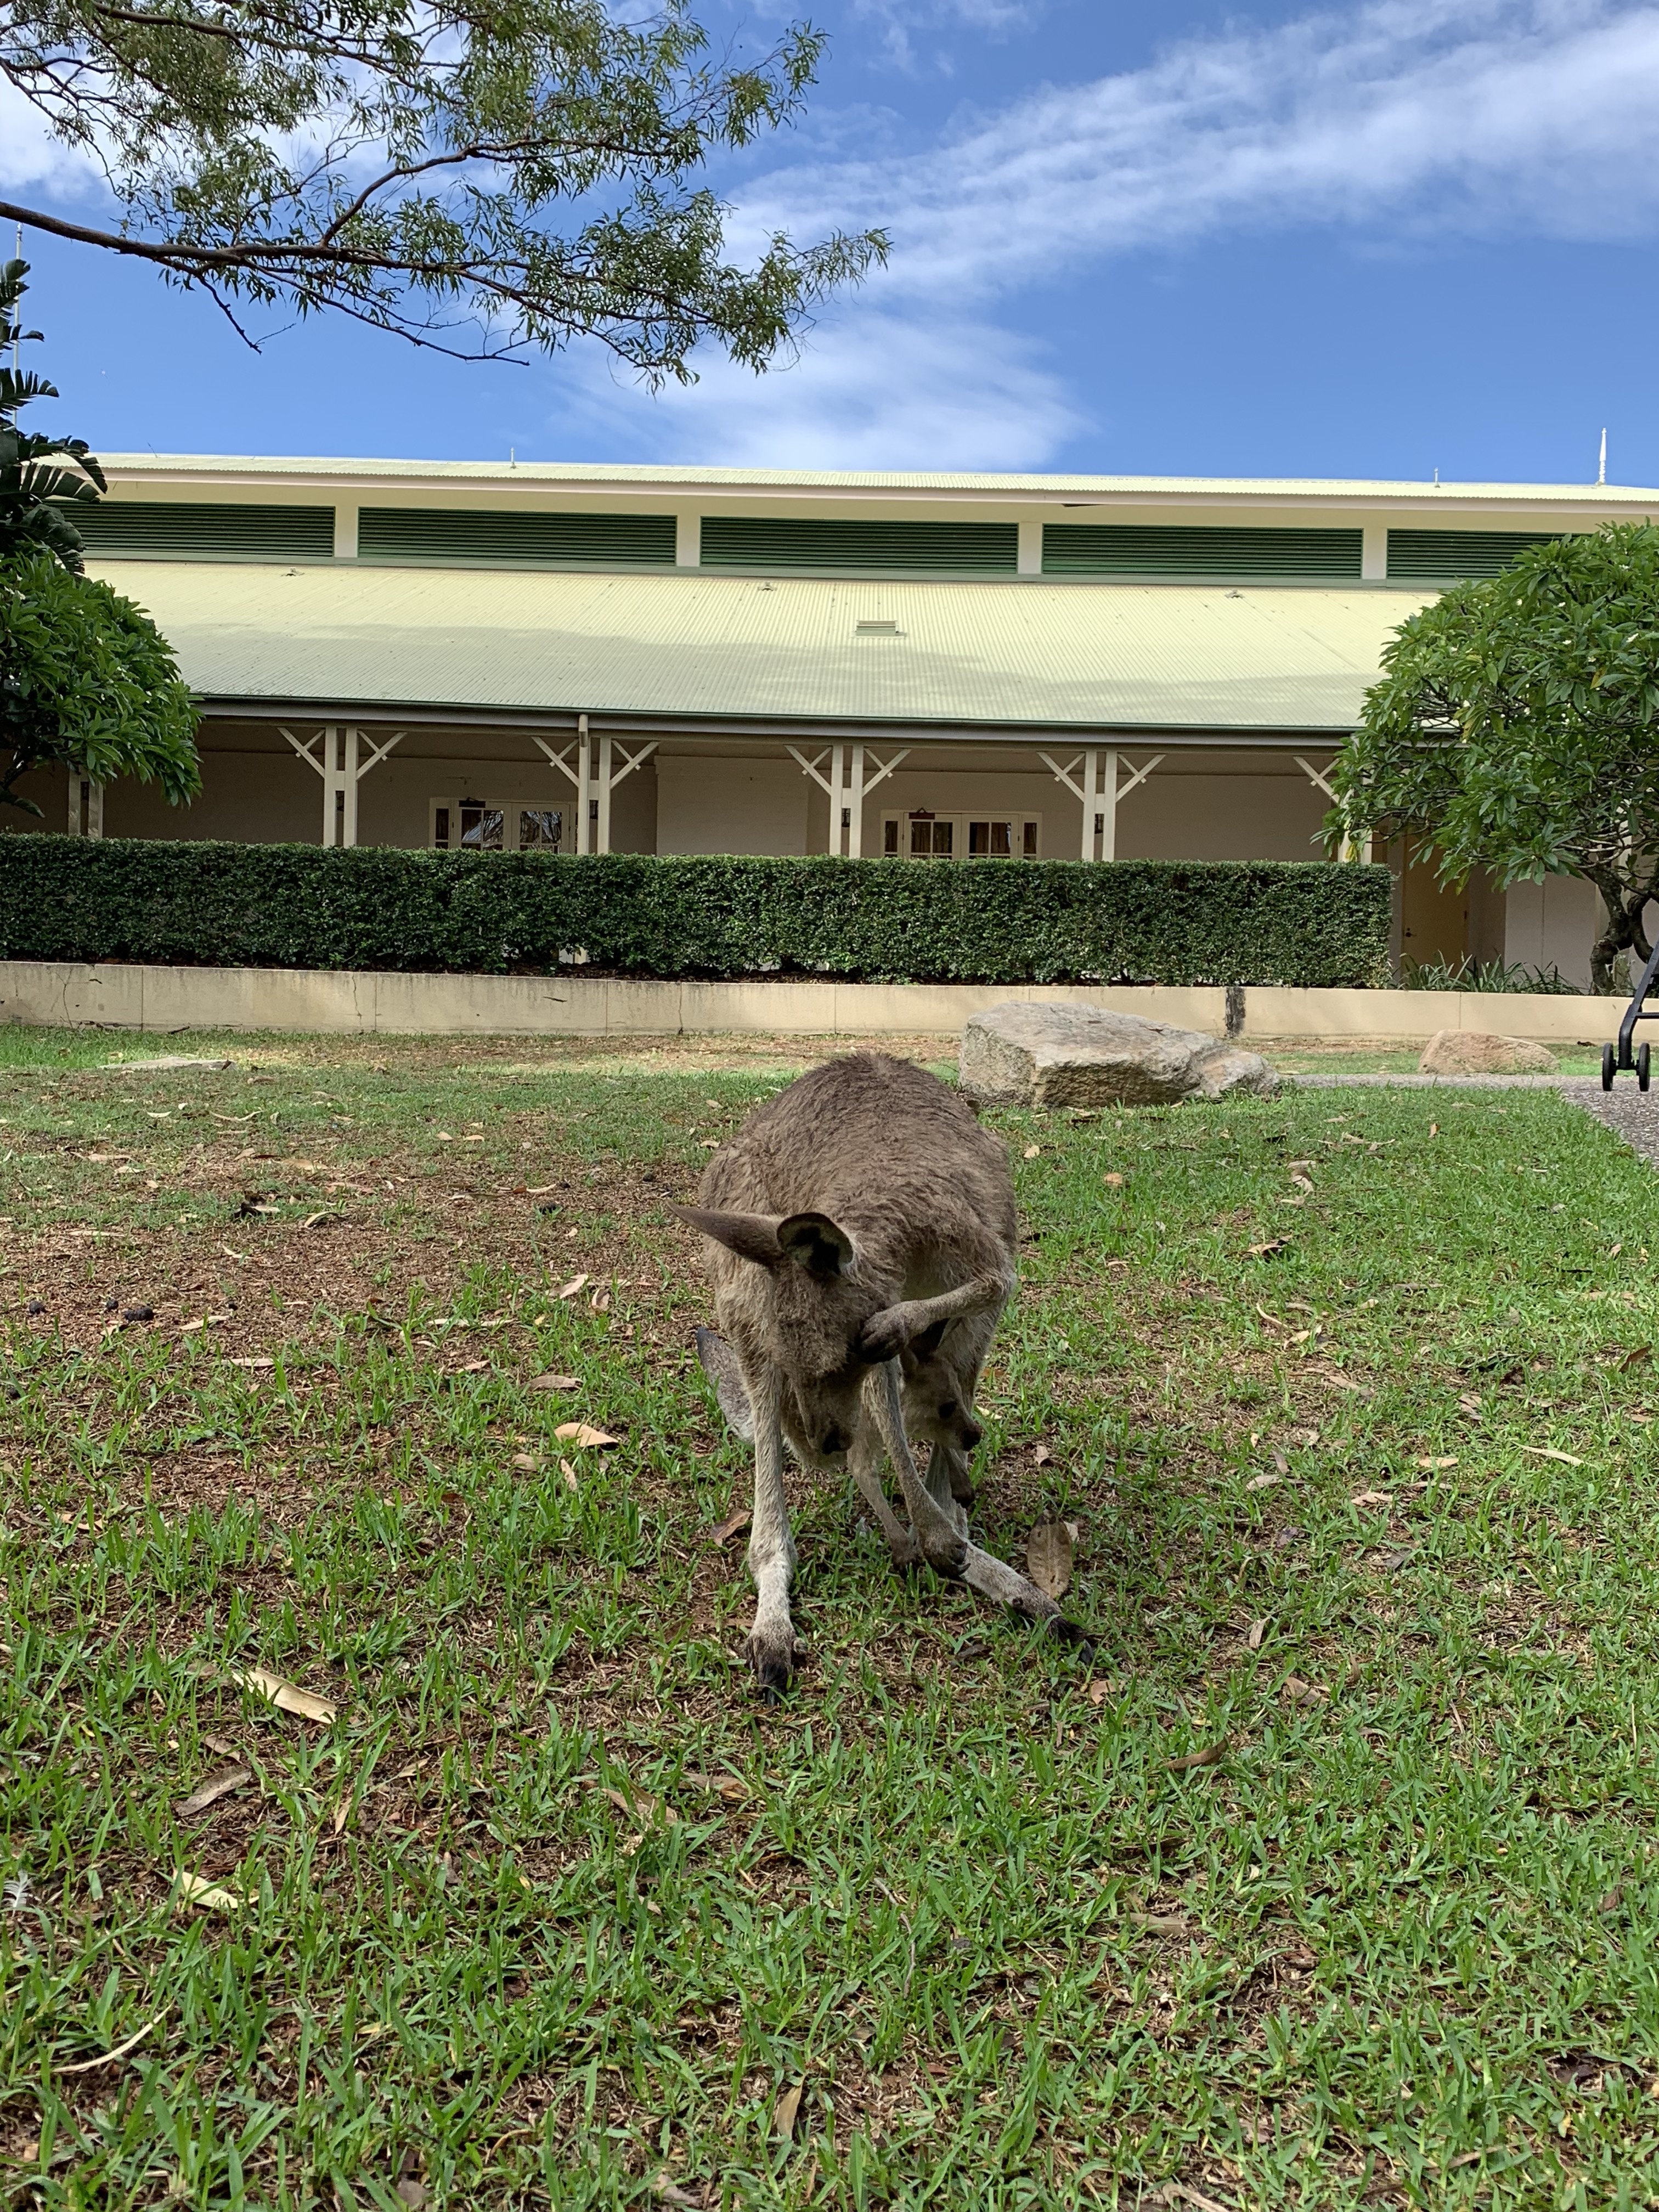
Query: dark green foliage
(1514, 728)
(86, 679)
(303, 906)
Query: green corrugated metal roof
(692, 644)
(139, 467)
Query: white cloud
(29, 155)
(871, 391)
(1519, 115)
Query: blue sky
(1374, 239)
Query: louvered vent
(1129, 549)
(818, 547)
(492, 537)
(189, 530)
(1441, 556)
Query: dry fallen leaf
(1049, 1550)
(1364, 1497)
(1305, 1694)
(1614, 1898)
(1303, 1182)
(670, 2192)
(1254, 1634)
(1113, 1182)
(1042, 1456)
(600, 1301)
(577, 1432)
(1433, 1464)
(474, 1367)
(569, 1474)
(1266, 1251)
(260, 1360)
(647, 1810)
(1263, 1481)
(1543, 1452)
(556, 1383)
(733, 1525)
(1032, 1151)
(192, 1889)
(576, 1283)
(216, 1786)
(526, 1462)
(287, 1697)
(1100, 1689)
(716, 1785)
(312, 1219)
(1210, 1756)
(784, 2112)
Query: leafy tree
(86, 679)
(525, 167)
(1516, 727)
(39, 476)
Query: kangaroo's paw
(771, 1651)
(1073, 1638)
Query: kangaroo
(860, 1215)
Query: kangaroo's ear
(750, 1235)
(720, 1364)
(817, 1244)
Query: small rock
(138, 1313)
(1482, 1052)
(35, 1308)
(109, 1304)
(1031, 1054)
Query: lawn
(1330, 1883)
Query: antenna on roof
(513, 456)
(1601, 472)
(1437, 479)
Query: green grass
(555, 1907)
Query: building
(668, 661)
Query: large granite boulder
(1032, 1053)
(1478, 1052)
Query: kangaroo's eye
(949, 1410)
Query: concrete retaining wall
(303, 1000)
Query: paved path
(1631, 1114)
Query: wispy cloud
(873, 391)
(1521, 115)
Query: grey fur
(860, 1216)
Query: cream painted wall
(1175, 817)
(716, 803)
(1552, 925)
(249, 798)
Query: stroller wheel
(1642, 1065)
(1609, 1065)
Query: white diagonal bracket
(595, 782)
(337, 754)
(1352, 849)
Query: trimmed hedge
(1048, 921)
